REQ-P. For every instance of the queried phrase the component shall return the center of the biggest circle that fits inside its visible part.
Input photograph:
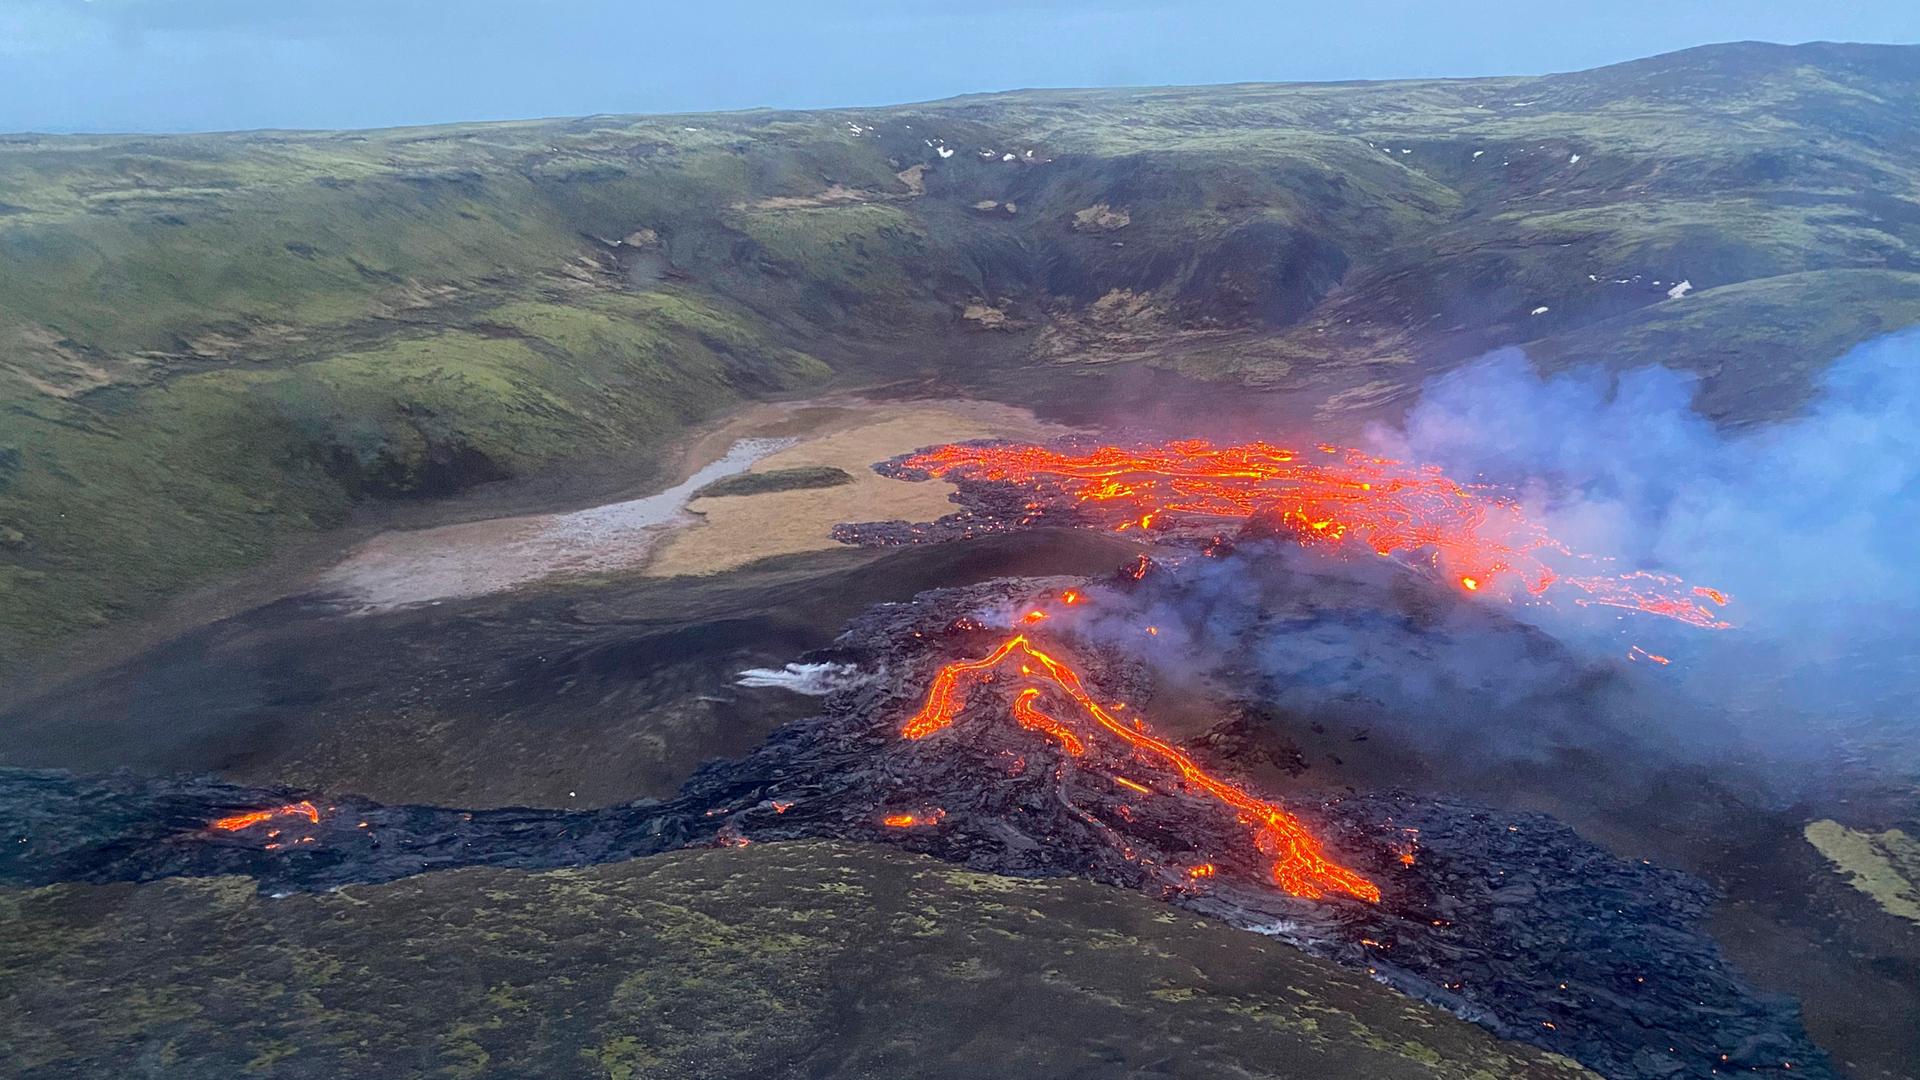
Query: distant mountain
(210, 343)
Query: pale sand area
(663, 534)
(851, 434)
(420, 566)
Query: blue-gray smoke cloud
(1810, 524)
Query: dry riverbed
(671, 533)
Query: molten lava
(1469, 534)
(254, 817)
(1300, 866)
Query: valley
(448, 482)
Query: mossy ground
(209, 343)
(120, 500)
(758, 483)
(774, 960)
(1885, 866)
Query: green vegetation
(758, 483)
(1757, 346)
(1885, 866)
(119, 500)
(212, 342)
(773, 960)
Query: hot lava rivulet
(1300, 865)
(1343, 499)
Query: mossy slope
(775, 960)
(210, 342)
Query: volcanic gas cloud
(1342, 499)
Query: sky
(196, 65)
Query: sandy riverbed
(665, 534)
(734, 530)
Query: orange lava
(1031, 717)
(254, 817)
(908, 821)
(1337, 498)
(1635, 652)
(1301, 867)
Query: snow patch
(1541, 310)
(1680, 290)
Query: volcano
(990, 732)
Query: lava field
(1511, 920)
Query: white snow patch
(1009, 156)
(1574, 160)
(1541, 310)
(1477, 153)
(813, 680)
(1679, 290)
(945, 152)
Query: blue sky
(172, 65)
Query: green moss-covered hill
(774, 960)
(209, 343)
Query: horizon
(203, 66)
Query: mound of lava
(1511, 920)
(1346, 501)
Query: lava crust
(1510, 920)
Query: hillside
(806, 959)
(210, 344)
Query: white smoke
(813, 680)
(1810, 524)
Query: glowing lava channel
(1300, 866)
(1471, 535)
(254, 817)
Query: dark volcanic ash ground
(1511, 920)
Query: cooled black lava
(1511, 920)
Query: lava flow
(1471, 535)
(238, 822)
(1300, 866)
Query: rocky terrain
(1511, 920)
(775, 960)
